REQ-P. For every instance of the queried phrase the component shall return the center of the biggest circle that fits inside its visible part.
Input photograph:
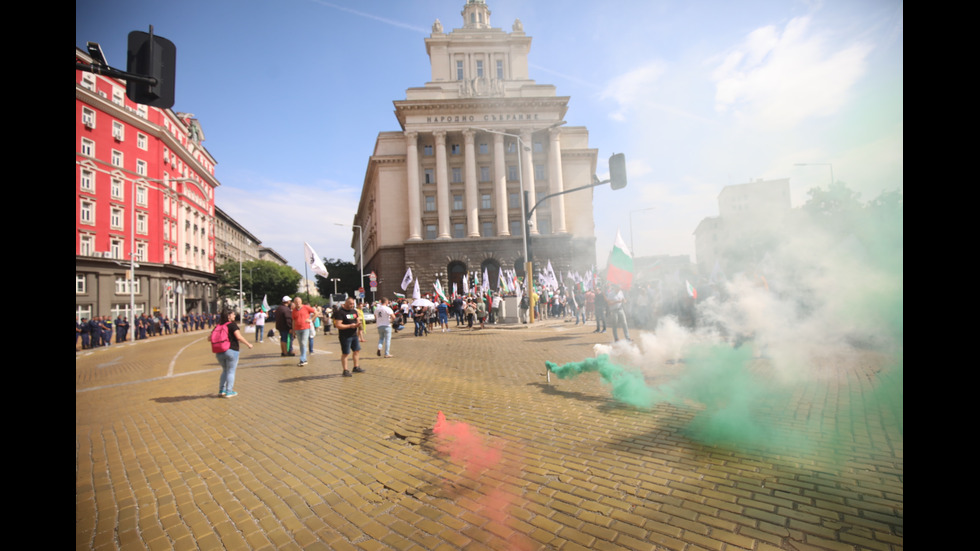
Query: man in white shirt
(383, 315)
(259, 320)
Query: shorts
(350, 343)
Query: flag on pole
(265, 303)
(455, 291)
(407, 280)
(439, 293)
(466, 284)
(315, 262)
(399, 295)
(620, 268)
(502, 281)
(416, 293)
(691, 291)
(486, 280)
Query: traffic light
(154, 57)
(617, 171)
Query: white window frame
(81, 284)
(116, 215)
(118, 131)
(141, 141)
(88, 117)
(116, 247)
(87, 180)
(141, 223)
(141, 167)
(87, 147)
(117, 96)
(87, 212)
(116, 188)
(88, 81)
(141, 251)
(86, 244)
(117, 158)
(141, 196)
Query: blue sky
(698, 94)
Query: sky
(698, 95)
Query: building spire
(476, 15)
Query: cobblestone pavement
(306, 459)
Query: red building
(144, 190)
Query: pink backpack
(219, 338)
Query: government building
(443, 195)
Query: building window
(88, 81)
(117, 158)
(86, 245)
(117, 96)
(87, 212)
(538, 147)
(485, 202)
(116, 188)
(484, 149)
(500, 70)
(459, 230)
(141, 167)
(79, 284)
(539, 172)
(515, 227)
(514, 200)
(88, 117)
(141, 223)
(484, 174)
(88, 147)
(454, 149)
(430, 177)
(486, 229)
(430, 203)
(116, 218)
(427, 150)
(118, 131)
(141, 252)
(512, 173)
(457, 202)
(87, 181)
(430, 231)
(479, 68)
(122, 286)
(141, 141)
(457, 174)
(511, 147)
(544, 226)
(141, 196)
(116, 248)
(459, 70)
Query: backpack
(219, 338)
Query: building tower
(443, 196)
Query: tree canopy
(259, 278)
(347, 272)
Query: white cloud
(777, 79)
(633, 88)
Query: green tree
(259, 278)
(347, 272)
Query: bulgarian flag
(691, 291)
(439, 293)
(620, 268)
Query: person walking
(259, 319)
(384, 316)
(616, 303)
(229, 357)
(348, 325)
(301, 314)
(284, 325)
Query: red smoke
(458, 441)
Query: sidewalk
(306, 459)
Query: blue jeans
(229, 362)
(259, 329)
(384, 338)
(303, 338)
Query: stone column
(555, 179)
(500, 185)
(414, 193)
(469, 174)
(527, 169)
(442, 185)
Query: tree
(259, 278)
(347, 272)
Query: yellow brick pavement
(306, 459)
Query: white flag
(315, 262)
(407, 280)
(265, 303)
(486, 281)
(466, 284)
(416, 293)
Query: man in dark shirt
(348, 325)
(284, 325)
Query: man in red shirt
(302, 314)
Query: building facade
(751, 217)
(144, 190)
(443, 196)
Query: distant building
(144, 189)
(232, 241)
(443, 195)
(751, 216)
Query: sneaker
(231, 394)
(388, 356)
(222, 393)
(301, 364)
(379, 352)
(357, 369)
(347, 373)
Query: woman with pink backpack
(224, 343)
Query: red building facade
(144, 188)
